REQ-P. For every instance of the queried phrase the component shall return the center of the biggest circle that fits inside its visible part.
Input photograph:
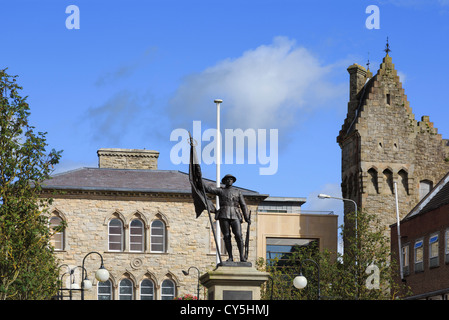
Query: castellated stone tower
(382, 143)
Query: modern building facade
(282, 225)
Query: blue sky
(137, 70)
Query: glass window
(126, 290)
(280, 249)
(57, 240)
(446, 249)
(405, 259)
(115, 235)
(147, 290)
(157, 236)
(433, 250)
(136, 236)
(104, 290)
(419, 256)
(168, 290)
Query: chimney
(127, 159)
(357, 79)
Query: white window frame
(115, 234)
(434, 240)
(132, 242)
(405, 256)
(57, 237)
(153, 236)
(102, 285)
(151, 296)
(125, 295)
(419, 244)
(164, 295)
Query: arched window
(136, 236)
(57, 239)
(388, 182)
(115, 235)
(147, 290)
(168, 290)
(125, 290)
(424, 188)
(104, 290)
(157, 236)
(403, 184)
(372, 181)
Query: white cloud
(263, 88)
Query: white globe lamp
(300, 282)
(87, 284)
(102, 274)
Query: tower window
(388, 98)
(388, 181)
(372, 183)
(424, 188)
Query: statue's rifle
(247, 236)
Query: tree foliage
(365, 271)
(27, 264)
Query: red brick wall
(423, 226)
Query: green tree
(365, 271)
(28, 268)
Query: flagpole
(218, 162)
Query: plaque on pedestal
(234, 282)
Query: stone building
(382, 143)
(140, 220)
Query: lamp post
(101, 275)
(300, 282)
(325, 196)
(218, 163)
(186, 273)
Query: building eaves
(127, 180)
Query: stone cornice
(143, 195)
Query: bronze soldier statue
(229, 214)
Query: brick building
(425, 245)
(381, 143)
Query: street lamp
(300, 282)
(101, 275)
(325, 196)
(186, 273)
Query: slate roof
(126, 180)
(437, 197)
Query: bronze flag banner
(200, 200)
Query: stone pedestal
(234, 282)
